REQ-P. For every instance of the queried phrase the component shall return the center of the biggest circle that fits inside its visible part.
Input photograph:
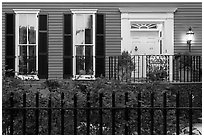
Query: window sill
(84, 77)
(27, 77)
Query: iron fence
(138, 107)
(144, 68)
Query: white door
(143, 43)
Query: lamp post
(189, 35)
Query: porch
(146, 68)
(132, 68)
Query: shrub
(126, 66)
(81, 88)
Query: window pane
(32, 28)
(22, 29)
(80, 60)
(89, 60)
(23, 50)
(79, 29)
(84, 29)
(84, 60)
(32, 60)
(79, 50)
(88, 29)
(23, 60)
(80, 65)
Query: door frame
(151, 14)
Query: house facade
(76, 40)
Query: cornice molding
(84, 11)
(148, 10)
(35, 11)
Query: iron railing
(144, 68)
(88, 109)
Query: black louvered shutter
(67, 46)
(10, 43)
(100, 46)
(43, 47)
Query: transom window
(143, 26)
(84, 44)
(26, 42)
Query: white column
(125, 32)
(169, 42)
(94, 43)
(73, 48)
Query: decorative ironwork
(158, 67)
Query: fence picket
(177, 114)
(24, 113)
(75, 114)
(142, 66)
(180, 78)
(118, 70)
(199, 69)
(138, 67)
(164, 114)
(113, 113)
(126, 115)
(109, 63)
(184, 69)
(139, 114)
(134, 68)
(49, 116)
(152, 113)
(88, 114)
(191, 71)
(101, 113)
(62, 113)
(37, 114)
(11, 113)
(190, 114)
(114, 60)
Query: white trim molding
(27, 11)
(83, 11)
(74, 21)
(148, 10)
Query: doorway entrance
(146, 40)
(148, 31)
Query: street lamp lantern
(189, 36)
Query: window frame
(17, 48)
(93, 13)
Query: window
(84, 44)
(26, 42)
(143, 26)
